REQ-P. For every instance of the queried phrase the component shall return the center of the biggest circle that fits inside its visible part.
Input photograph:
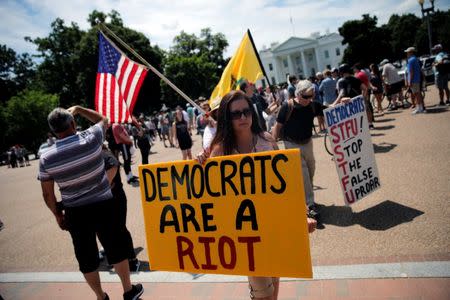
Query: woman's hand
(203, 155)
(312, 224)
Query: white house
(302, 57)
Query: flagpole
(154, 70)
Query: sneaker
(134, 265)
(392, 107)
(441, 103)
(136, 291)
(371, 126)
(447, 102)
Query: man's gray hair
(59, 120)
(303, 86)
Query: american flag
(118, 82)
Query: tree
(367, 43)
(25, 116)
(194, 64)
(403, 32)
(16, 72)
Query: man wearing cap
(440, 68)
(393, 83)
(413, 73)
(258, 102)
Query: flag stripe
(125, 75)
(126, 92)
(108, 95)
(97, 85)
(104, 99)
(133, 84)
(138, 87)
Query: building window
(285, 63)
(329, 67)
(270, 67)
(310, 57)
(313, 71)
(273, 81)
(327, 54)
(338, 51)
(297, 60)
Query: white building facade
(302, 57)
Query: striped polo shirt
(75, 163)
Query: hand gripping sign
(348, 131)
(239, 214)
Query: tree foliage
(194, 64)
(16, 72)
(26, 118)
(367, 42)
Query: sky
(161, 20)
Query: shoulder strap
(290, 109)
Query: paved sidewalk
(409, 280)
(380, 289)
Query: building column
(318, 61)
(291, 65)
(276, 67)
(303, 63)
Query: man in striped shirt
(87, 210)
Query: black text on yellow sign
(240, 214)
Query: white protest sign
(348, 131)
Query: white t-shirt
(390, 74)
(208, 136)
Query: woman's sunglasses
(237, 114)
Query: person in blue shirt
(327, 89)
(440, 73)
(413, 79)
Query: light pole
(426, 14)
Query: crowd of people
(86, 169)
(17, 156)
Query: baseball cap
(384, 61)
(410, 49)
(437, 47)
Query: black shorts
(99, 219)
(317, 109)
(394, 88)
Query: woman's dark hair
(375, 70)
(182, 116)
(225, 134)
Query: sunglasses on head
(237, 114)
(306, 96)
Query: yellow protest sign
(240, 214)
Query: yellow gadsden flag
(244, 65)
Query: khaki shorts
(415, 88)
(261, 287)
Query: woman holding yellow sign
(238, 132)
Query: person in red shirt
(124, 143)
(361, 75)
